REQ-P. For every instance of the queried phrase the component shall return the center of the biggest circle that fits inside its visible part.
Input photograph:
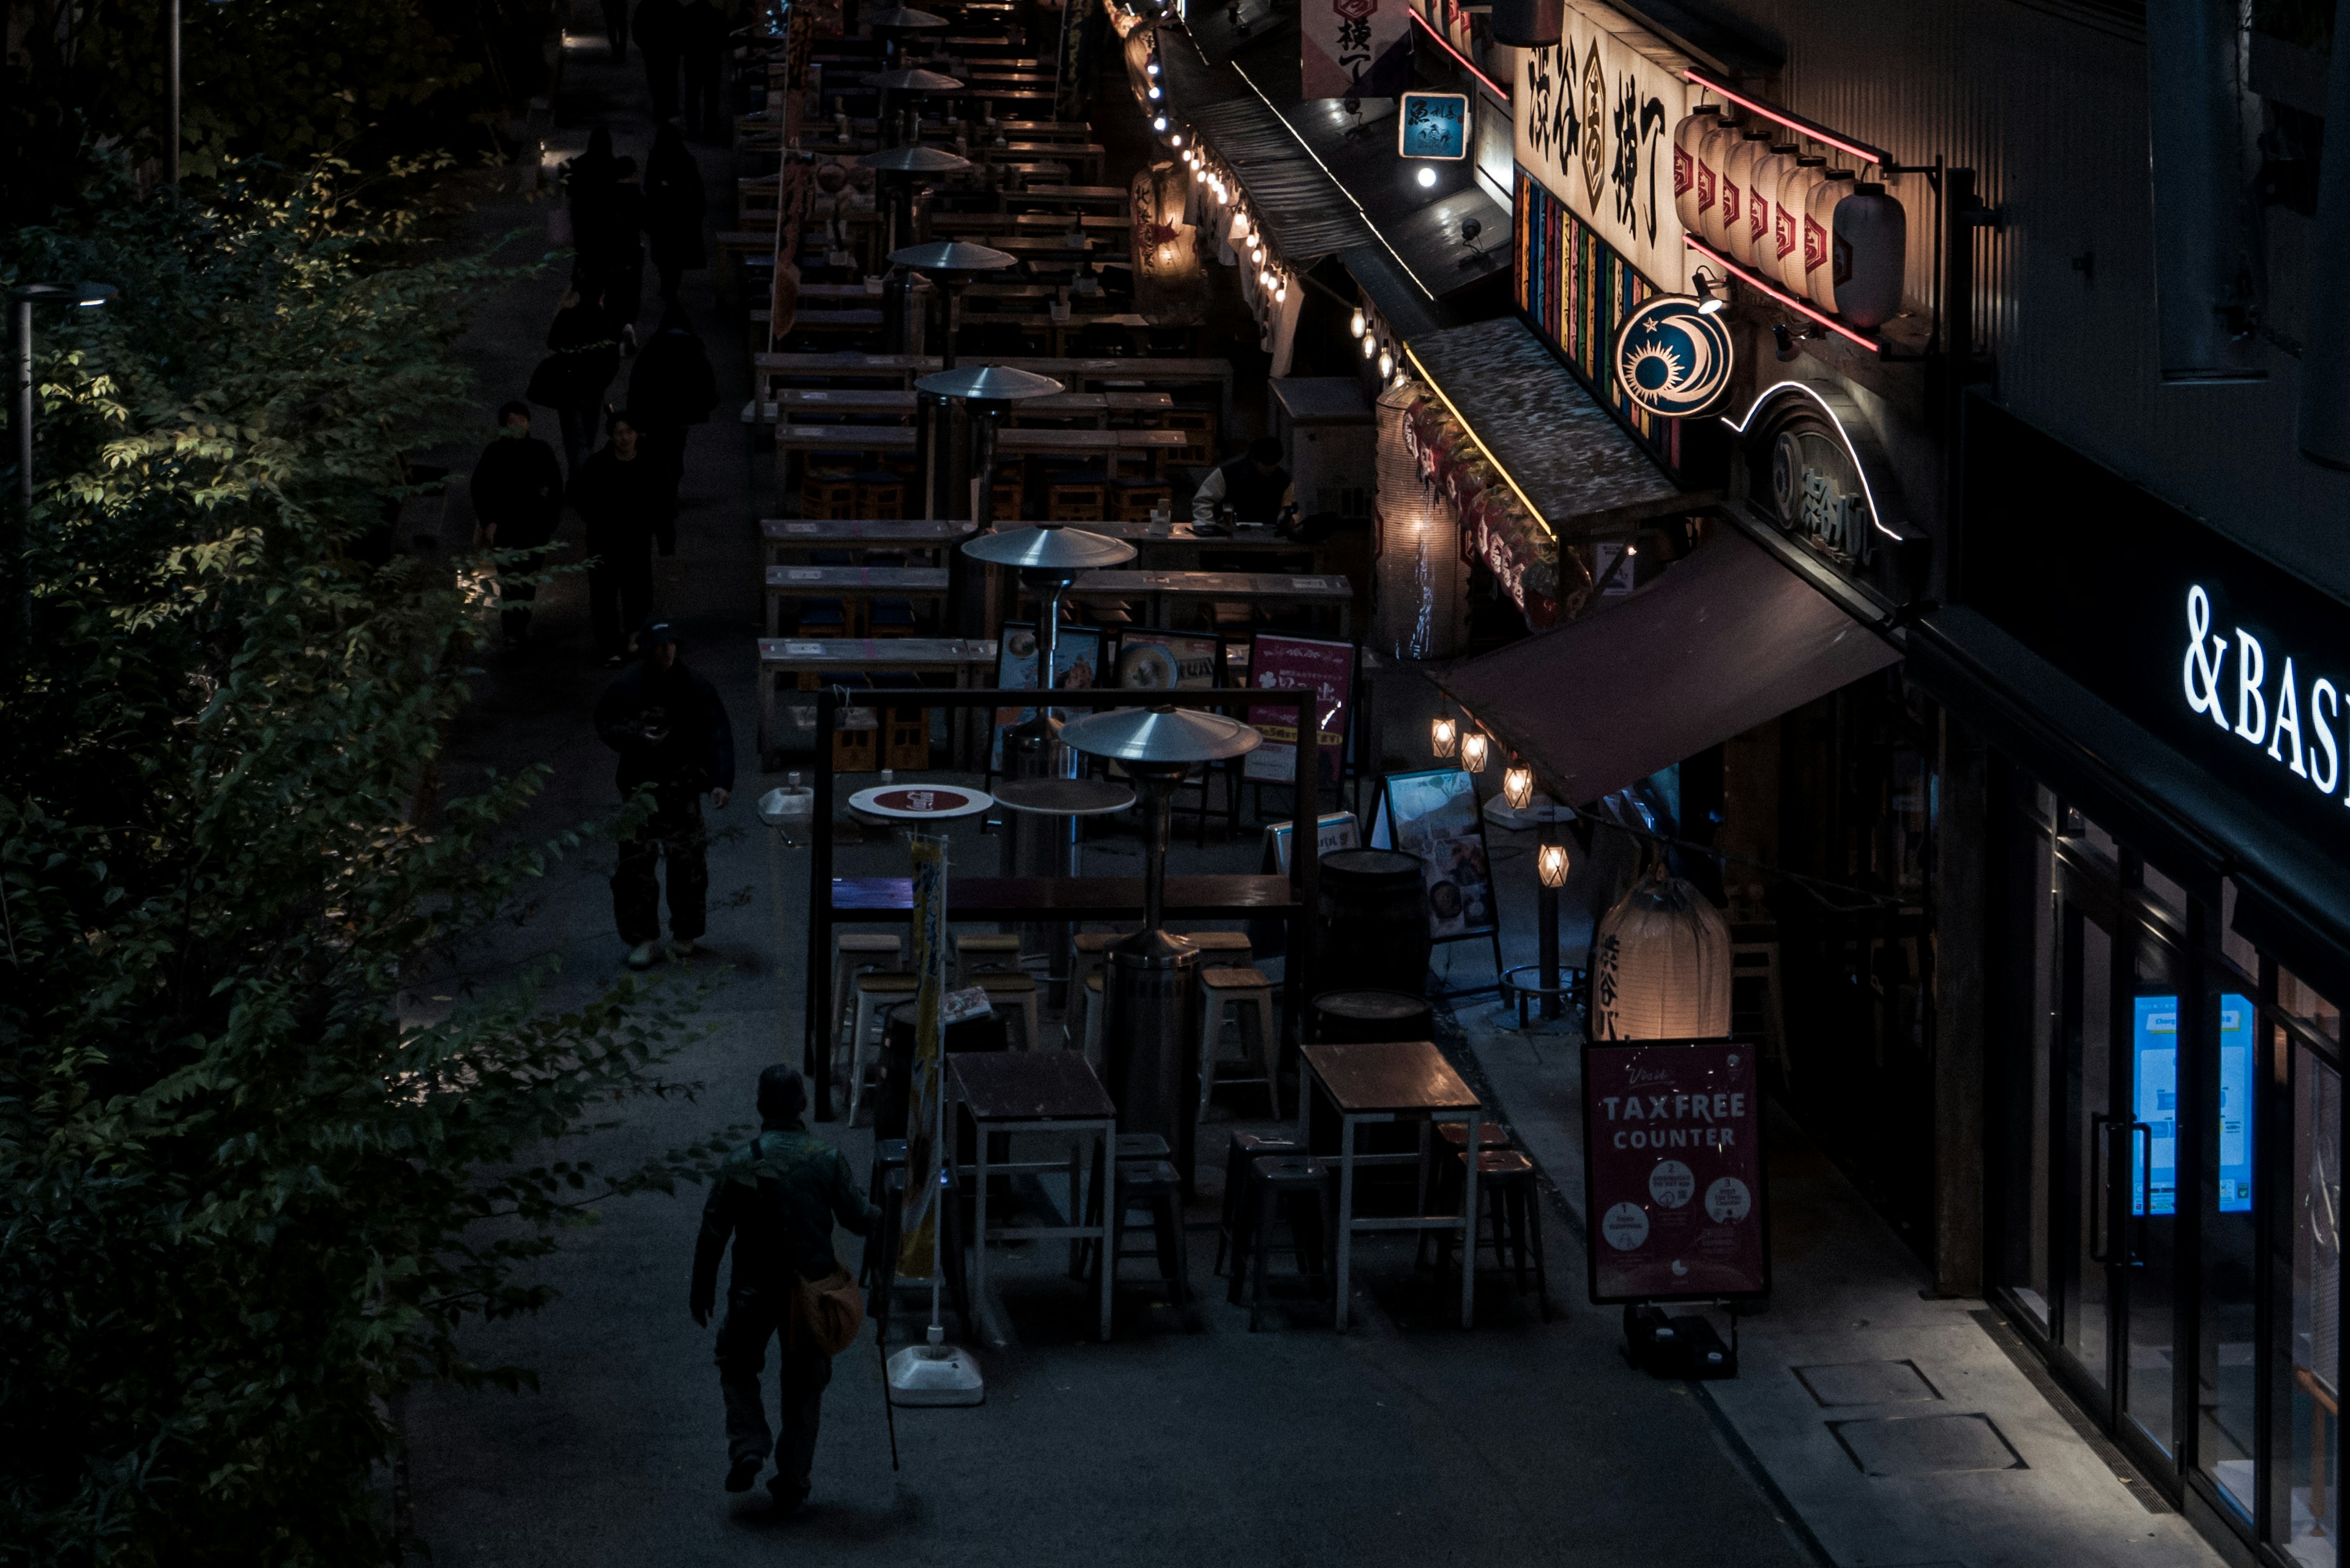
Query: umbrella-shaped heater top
(916, 160)
(988, 383)
(903, 17)
(1172, 737)
(1049, 548)
(913, 78)
(953, 255)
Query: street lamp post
(171, 90)
(25, 297)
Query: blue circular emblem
(1671, 358)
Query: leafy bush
(244, 1202)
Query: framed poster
(1434, 816)
(1326, 668)
(1077, 661)
(1672, 1170)
(1332, 831)
(1433, 125)
(1151, 661)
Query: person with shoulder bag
(777, 1198)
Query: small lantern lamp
(1443, 736)
(1518, 786)
(1550, 865)
(1475, 747)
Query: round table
(918, 802)
(1063, 798)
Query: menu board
(1672, 1158)
(1326, 668)
(1434, 816)
(1076, 666)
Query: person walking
(777, 1198)
(617, 262)
(673, 209)
(702, 37)
(573, 378)
(660, 38)
(671, 388)
(625, 499)
(674, 738)
(517, 491)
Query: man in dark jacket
(671, 389)
(517, 490)
(1253, 484)
(674, 735)
(777, 1198)
(628, 501)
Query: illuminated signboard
(2154, 1106)
(1433, 125)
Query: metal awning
(1420, 225)
(1574, 464)
(1724, 640)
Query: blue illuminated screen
(2154, 1158)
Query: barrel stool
(1371, 921)
(1364, 1017)
(877, 991)
(1017, 992)
(1249, 996)
(853, 951)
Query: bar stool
(1439, 1169)
(852, 952)
(1276, 1181)
(1229, 948)
(1505, 1180)
(1013, 990)
(1150, 1184)
(1094, 1005)
(877, 991)
(1245, 1148)
(978, 953)
(1249, 994)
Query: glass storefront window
(2022, 1258)
(2307, 1506)
(2229, 1380)
(2237, 950)
(2296, 999)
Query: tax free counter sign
(1673, 1151)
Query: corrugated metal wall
(2052, 114)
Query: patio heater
(953, 265)
(1150, 1029)
(989, 390)
(898, 167)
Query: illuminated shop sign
(1672, 357)
(1815, 469)
(1433, 125)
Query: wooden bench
(1160, 591)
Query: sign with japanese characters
(1358, 47)
(1594, 126)
(1432, 125)
(1672, 1141)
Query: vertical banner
(1672, 1154)
(1359, 47)
(919, 1237)
(1308, 664)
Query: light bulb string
(1870, 898)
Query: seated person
(1254, 486)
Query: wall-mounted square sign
(1433, 125)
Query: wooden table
(1040, 900)
(1057, 333)
(1080, 196)
(1015, 440)
(1182, 539)
(1049, 1092)
(1096, 405)
(862, 584)
(786, 536)
(1157, 588)
(1077, 374)
(1368, 1084)
(782, 657)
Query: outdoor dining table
(780, 657)
(1039, 900)
(851, 583)
(1157, 588)
(1366, 1084)
(786, 536)
(1052, 1092)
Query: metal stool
(1272, 1179)
(1016, 990)
(1505, 1181)
(1439, 1169)
(877, 991)
(853, 951)
(1250, 994)
(1151, 1185)
(1245, 1148)
(977, 955)
(1230, 949)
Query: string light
(1158, 124)
(1550, 865)
(1370, 345)
(1518, 786)
(1386, 368)
(1475, 748)
(1356, 326)
(1443, 733)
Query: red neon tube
(1499, 90)
(1796, 122)
(1789, 300)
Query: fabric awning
(1724, 640)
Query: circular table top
(1063, 798)
(920, 802)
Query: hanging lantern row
(1496, 527)
(1218, 200)
(1381, 347)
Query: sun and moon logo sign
(1671, 358)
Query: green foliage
(243, 1200)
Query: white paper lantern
(1660, 965)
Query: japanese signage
(1359, 47)
(1672, 357)
(1300, 663)
(1432, 125)
(1594, 126)
(1672, 1141)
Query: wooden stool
(1076, 500)
(1245, 1146)
(1013, 990)
(1248, 990)
(1505, 1185)
(1228, 947)
(1137, 497)
(1151, 1185)
(980, 953)
(828, 495)
(1274, 1177)
(877, 991)
(852, 953)
(881, 495)
(1439, 1169)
